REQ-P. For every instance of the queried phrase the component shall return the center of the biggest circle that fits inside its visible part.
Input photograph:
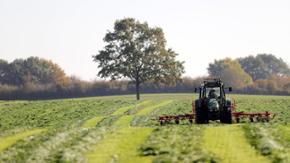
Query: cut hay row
(92, 122)
(120, 146)
(150, 109)
(123, 144)
(123, 110)
(124, 121)
(8, 141)
(230, 145)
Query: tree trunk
(137, 90)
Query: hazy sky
(69, 32)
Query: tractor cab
(213, 93)
(212, 89)
(212, 103)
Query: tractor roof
(215, 82)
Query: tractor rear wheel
(201, 116)
(200, 113)
(226, 116)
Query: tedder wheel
(190, 121)
(177, 121)
(251, 119)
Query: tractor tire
(226, 116)
(199, 118)
(200, 113)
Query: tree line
(36, 78)
(263, 74)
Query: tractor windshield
(213, 92)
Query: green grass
(176, 144)
(8, 141)
(119, 129)
(92, 122)
(124, 121)
(228, 143)
(281, 133)
(150, 109)
(120, 146)
(270, 142)
(123, 110)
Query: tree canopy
(230, 72)
(263, 66)
(136, 51)
(31, 70)
(4, 66)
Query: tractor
(212, 103)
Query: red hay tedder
(213, 105)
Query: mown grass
(77, 127)
(281, 134)
(120, 146)
(92, 122)
(124, 121)
(59, 117)
(267, 143)
(279, 105)
(150, 109)
(229, 144)
(8, 141)
(55, 113)
(176, 144)
(123, 110)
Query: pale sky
(69, 32)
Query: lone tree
(138, 52)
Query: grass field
(119, 129)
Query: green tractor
(212, 103)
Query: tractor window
(213, 92)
